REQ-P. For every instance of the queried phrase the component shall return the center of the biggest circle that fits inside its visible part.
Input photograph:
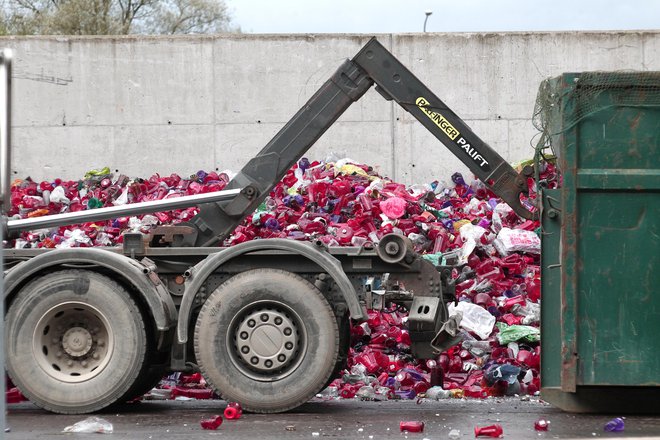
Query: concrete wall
(142, 105)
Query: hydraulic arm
(394, 81)
(217, 220)
(373, 64)
(221, 212)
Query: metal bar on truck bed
(69, 218)
(6, 56)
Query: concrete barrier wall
(144, 105)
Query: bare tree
(135, 11)
(190, 16)
(81, 17)
(113, 17)
(18, 18)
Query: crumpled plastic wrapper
(90, 425)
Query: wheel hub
(77, 341)
(73, 342)
(266, 340)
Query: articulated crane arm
(221, 212)
(394, 81)
(373, 64)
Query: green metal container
(600, 243)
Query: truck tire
(268, 339)
(75, 341)
(147, 380)
(344, 325)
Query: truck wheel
(75, 341)
(147, 380)
(268, 339)
(344, 348)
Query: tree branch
(27, 4)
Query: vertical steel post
(5, 132)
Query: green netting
(560, 106)
(584, 97)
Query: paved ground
(342, 419)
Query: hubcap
(73, 342)
(267, 339)
(77, 341)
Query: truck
(266, 322)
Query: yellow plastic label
(436, 117)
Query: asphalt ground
(342, 419)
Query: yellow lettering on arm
(437, 118)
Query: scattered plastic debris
(476, 319)
(191, 393)
(91, 425)
(513, 240)
(159, 394)
(512, 333)
(454, 434)
(211, 424)
(541, 425)
(437, 393)
(13, 395)
(411, 426)
(494, 431)
(617, 424)
(233, 411)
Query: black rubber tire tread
(152, 372)
(147, 380)
(344, 348)
(127, 358)
(226, 302)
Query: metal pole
(5, 166)
(428, 14)
(70, 218)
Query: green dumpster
(600, 257)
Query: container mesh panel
(591, 93)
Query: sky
(402, 16)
